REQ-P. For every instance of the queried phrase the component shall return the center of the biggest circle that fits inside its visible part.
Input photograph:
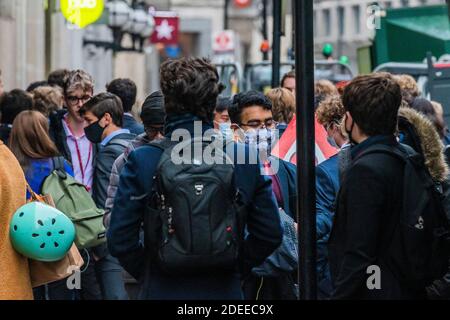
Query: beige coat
(15, 281)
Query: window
(341, 18)
(357, 19)
(327, 22)
(405, 3)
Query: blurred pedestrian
(409, 87)
(283, 107)
(126, 90)
(58, 78)
(221, 115)
(11, 104)
(36, 85)
(322, 90)
(330, 115)
(31, 144)
(288, 81)
(48, 100)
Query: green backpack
(72, 198)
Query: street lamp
(123, 19)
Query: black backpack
(419, 249)
(194, 221)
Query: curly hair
(48, 99)
(283, 104)
(79, 79)
(330, 110)
(190, 85)
(409, 87)
(325, 88)
(247, 99)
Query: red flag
(166, 28)
(286, 147)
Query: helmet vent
(21, 214)
(49, 234)
(61, 232)
(43, 245)
(53, 221)
(56, 245)
(40, 223)
(15, 228)
(35, 235)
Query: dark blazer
(263, 225)
(368, 209)
(130, 123)
(103, 163)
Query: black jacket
(5, 131)
(58, 134)
(103, 164)
(130, 123)
(368, 208)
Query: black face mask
(94, 132)
(349, 133)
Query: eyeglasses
(73, 100)
(256, 124)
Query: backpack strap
(58, 167)
(120, 142)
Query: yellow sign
(82, 12)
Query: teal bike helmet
(41, 232)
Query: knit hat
(153, 111)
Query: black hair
(223, 104)
(104, 103)
(247, 99)
(14, 102)
(35, 85)
(126, 90)
(373, 101)
(58, 78)
(190, 85)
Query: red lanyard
(80, 160)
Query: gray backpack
(195, 220)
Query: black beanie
(153, 111)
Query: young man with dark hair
(11, 104)
(221, 116)
(190, 87)
(126, 90)
(252, 121)
(370, 200)
(103, 115)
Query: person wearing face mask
(330, 114)
(253, 124)
(104, 117)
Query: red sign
(287, 146)
(224, 41)
(166, 28)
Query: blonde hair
(79, 79)
(325, 88)
(330, 110)
(48, 99)
(408, 85)
(283, 104)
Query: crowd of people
(202, 230)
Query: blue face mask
(225, 130)
(332, 142)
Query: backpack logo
(419, 224)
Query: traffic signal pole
(276, 47)
(306, 202)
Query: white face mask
(260, 138)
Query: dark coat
(103, 164)
(5, 131)
(368, 208)
(327, 188)
(130, 123)
(58, 134)
(263, 226)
